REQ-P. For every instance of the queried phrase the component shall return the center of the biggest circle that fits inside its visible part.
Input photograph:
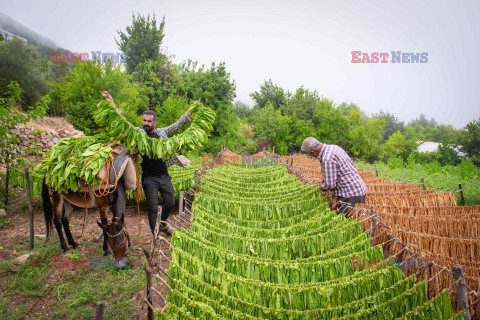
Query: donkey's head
(117, 240)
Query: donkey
(114, 235)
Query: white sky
(307, 42)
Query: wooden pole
(376, 170)
(423, 184)
(180, 203)
(291, 162)
(273, 151)
(374, 225)
(196, 181)
(148, 272)
(7, 161)
(461, 193)
(100, 310)
(30, 207)
(461, 291)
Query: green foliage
(269, 92)
(170, 110)
(158, 78)
(10, 117)
(213, 86)
(242, 109)
(79, 92)
(400, 145)
(392, 124)
(444, 156)
(365, 135)
(271, 125)
(141, 41)
(470, 140)
(21, 63)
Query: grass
(439, 180)
(76, 293)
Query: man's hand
(196, 102)
(107, 96)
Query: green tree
(423, 121)
(400, 145)
(364, 135)
(158, 78)
(79, 92)
(242, 109)
(212, 86)
(470, 140)
(272, 126)
(269, 92)
(302, 104)
(10, 117)
(21, 63)
(392, 124)
(141, 41)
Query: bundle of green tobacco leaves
(72, 159)
(117, 127)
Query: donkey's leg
(103, 217)
(66, 225)
(58, 208)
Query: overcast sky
(300, 43)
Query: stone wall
(44, 139)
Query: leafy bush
(395, 163)
(79, 92)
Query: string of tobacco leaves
(73, 159)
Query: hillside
(43, 44)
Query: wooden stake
(196, 181)
(180, 202)
(30, 207)
(376, 170)
(461, 291)
(461, 193)
(273, 151)
(7, 161)
(100, 310)
(374, 225)
(148, 273)
(423, 184)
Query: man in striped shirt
(338, 171)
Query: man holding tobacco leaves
(339, 173)
(155, 177)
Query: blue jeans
(152, 186)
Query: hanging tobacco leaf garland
(121, 130)
(263, 246)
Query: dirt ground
(15, 235)
(54, 123)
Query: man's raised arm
(184, 119)
(107, 96)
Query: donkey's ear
(102, 226)
(121, 222)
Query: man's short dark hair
(151, 113)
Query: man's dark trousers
(345, 209)
(151, 187)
